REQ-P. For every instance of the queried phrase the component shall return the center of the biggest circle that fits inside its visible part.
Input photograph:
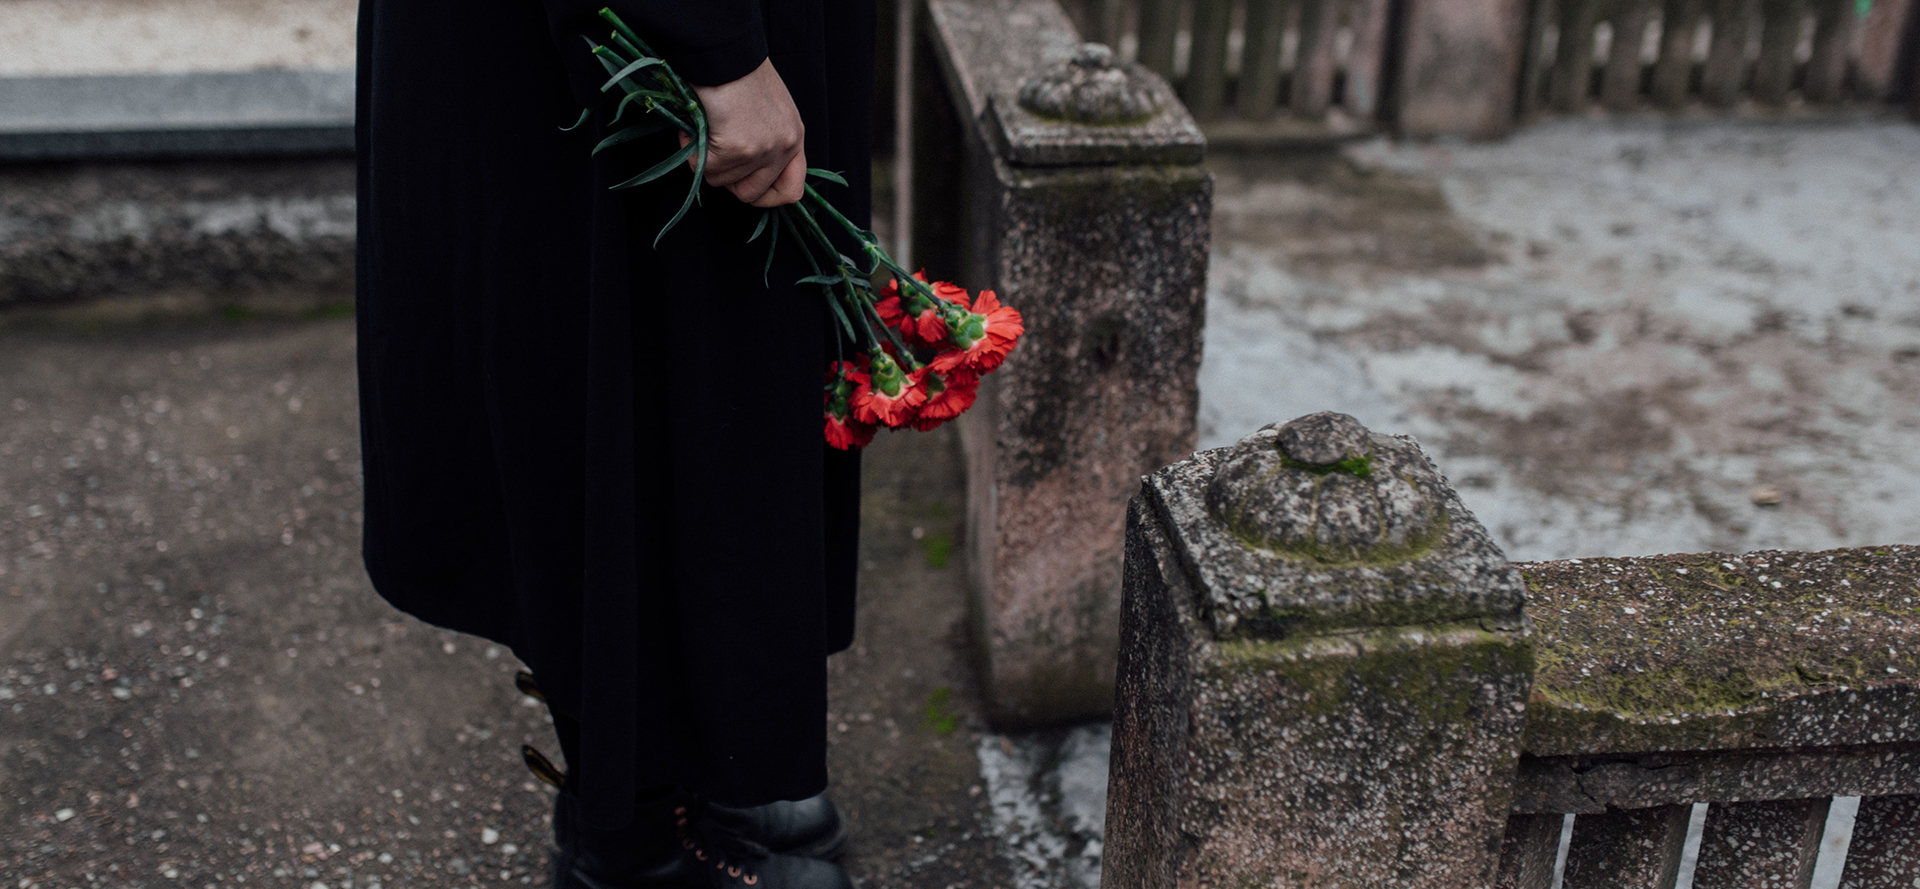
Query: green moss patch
(1699, 648)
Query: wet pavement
(199, 688)
(1617, 337)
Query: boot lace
(711, 841)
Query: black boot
(810, 828)
(675, 843)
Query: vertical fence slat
(1832, 34)
(1106, 23)
(1727, 56)
(1159, 25)
(1885, 852)
(1680, 21)
(1312, 86)
(1632, 849)
(1779, 31)
(1206, 86)
(1533, 71)
(1260, 59)
(1880, 34)
(1620, 84)
(1367, 58)
(1761, 844)
(1573, 59)
(1528, 850)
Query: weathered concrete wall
(1323, 672)
(1459, 67)
(225, 231)
(1099, 236)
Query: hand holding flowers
(919, 348)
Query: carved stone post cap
(1324, 439)
(1092, 88)
(1324, 489)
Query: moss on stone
(1360, 466)
(1672, 651)
(1423, 667)
(1356, 612)
(1379, 554)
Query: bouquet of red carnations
(919, 347)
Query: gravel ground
(201, 689)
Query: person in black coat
(601, 452)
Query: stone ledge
(207, 114)
(1720, 652)
(1581, 785)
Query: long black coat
(605, 455)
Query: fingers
(787, 189)
(749, 185)
(755, 138)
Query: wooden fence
(1669, 53)
(1256, 59)
(1474, 67)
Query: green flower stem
(872, 247)
(833, 299)
(868, 313)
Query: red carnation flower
(983, 337)
(948, 396)
(921, 320)
(842, 430)
(888, 306)
(889, 396)
(849, 434)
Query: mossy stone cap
(1324, 489)
(1319, 525)
(1093, 88)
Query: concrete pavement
(199, 688)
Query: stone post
(1323, 672)
(1069, 183)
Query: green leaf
(584, 114)
(846, 323)
(826, 280)
(629, 70)
(631, 133)
(654, 97)
(660, 169)
(699, 144)
(828, 175)
(761, 227)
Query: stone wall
(225, 232)
(1327, 679)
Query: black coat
(605, 455)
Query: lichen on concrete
(1441, 568)
(1715, 651)
(1285, 722)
